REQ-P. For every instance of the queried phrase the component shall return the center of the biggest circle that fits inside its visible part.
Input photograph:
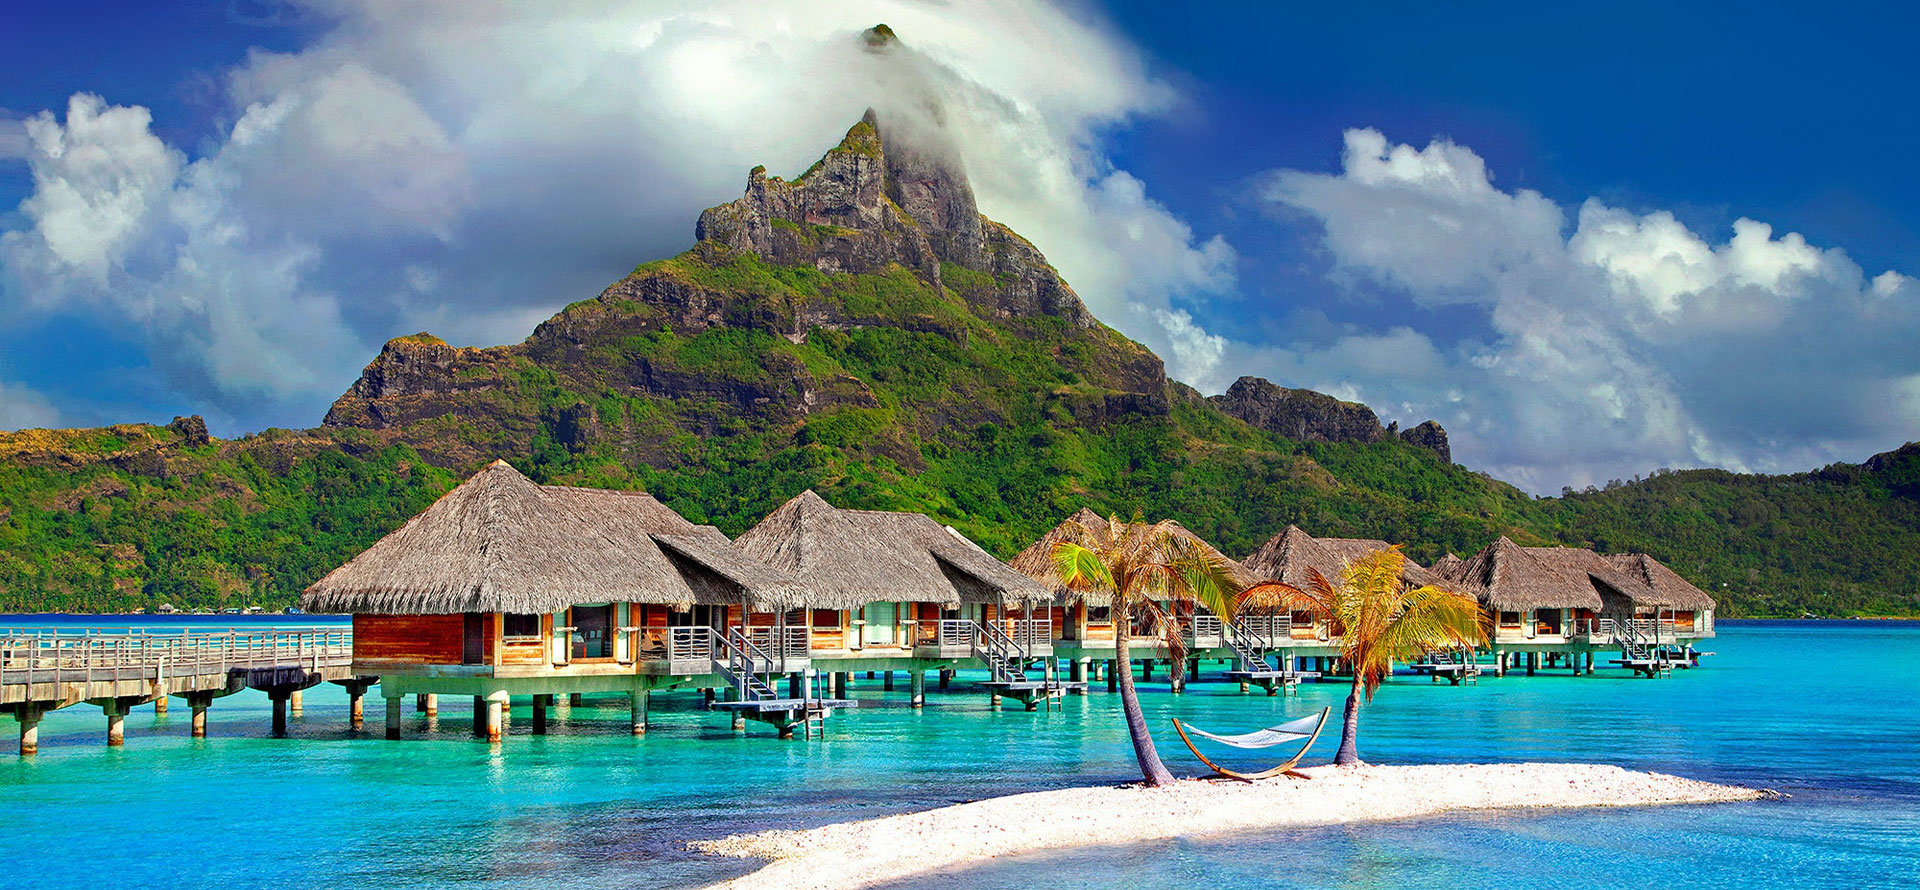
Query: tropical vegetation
(1380, 619)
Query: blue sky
(1520, 221)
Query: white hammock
(1291, 731)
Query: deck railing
(1205, 627)
(690, 644)
(1264, 631)
(40, 656)
(781, 642)
(1029, 633)
(957, 633)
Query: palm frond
(1080, 568)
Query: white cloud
(1629, 343)
(22, 408)
(469, 167)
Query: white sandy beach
(861, 854)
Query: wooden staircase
(748, 670)
(1249, 645)
(1008, 660)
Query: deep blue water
(1824, 710)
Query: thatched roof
(1620, 592)
(1085, 526)
(848, 558)
(1448, 566)
(500, 543)
(1287, 556)
(1511, 578)
(1669, 588)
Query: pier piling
(541, 702)
(917, 685)
(198, 703)
(495, 723)
(279, 698)
(393, 717)
(296, 703)
(28, 713)
(637, 706)
(1113, 675)
(886, 683)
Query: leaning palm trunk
(1349, 753)
(1151, 768)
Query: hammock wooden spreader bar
(1304, 728)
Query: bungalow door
(881, 619)
(473, 649)
(592, 632)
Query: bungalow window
(1509, 619)
(520, 626)
(1099, 614)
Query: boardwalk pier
(42, 671)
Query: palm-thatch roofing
(1620, 592)
(848, 558)
(1511, 578)
(1287, 557)
(1085, 527)
(1669, 589)
(498, 542)
(1448, 566)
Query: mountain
(863, 331)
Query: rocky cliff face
(1309, 416)
(1430, 436)
(881, 233)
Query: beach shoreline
(850, 855)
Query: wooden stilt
(540, 705)
(917, 694)
(393, 716)
(637, 707)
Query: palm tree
(1380, 621)
(1139, 566)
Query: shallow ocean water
(1828, 711)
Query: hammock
(1292, 731)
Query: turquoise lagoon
(1828, 711)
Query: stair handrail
(1005, 654)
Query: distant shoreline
(852, 855)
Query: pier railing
(40, 656)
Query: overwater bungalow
(1688, 609)
(892, 591)
(504, 587)
(1534, 604)
(1566, 602)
